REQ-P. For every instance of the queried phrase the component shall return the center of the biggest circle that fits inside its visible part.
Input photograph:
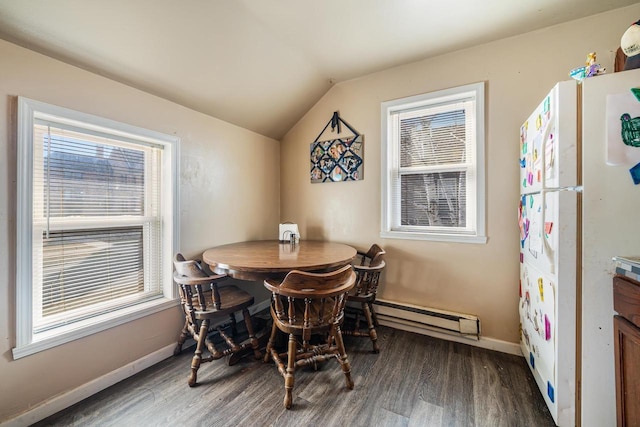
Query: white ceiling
(261, 64)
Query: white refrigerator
(578, 209)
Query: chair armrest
(194, 281)
(364, 268)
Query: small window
(433, 165)
(97, 224)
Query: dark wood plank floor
(415, 381)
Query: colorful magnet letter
(521, 284)
(546, 107)
(551, 392)
(532, 360)
(635, 174)
(548, 226)
(541, 288)
(547, 328)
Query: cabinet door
(627, 354)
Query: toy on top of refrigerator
(589, 70)
(630, 44)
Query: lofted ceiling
(261, 64)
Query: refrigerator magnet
(623, 129)
(547, 328)
(541, 288)
(520, 281)
(635, 174)
(546, 107)
(532, 361)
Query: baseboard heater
(393, 313)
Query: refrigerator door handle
(548, 250)
(576, 188)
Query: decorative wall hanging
(339, 159)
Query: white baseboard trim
(64, 400)
(482, 342)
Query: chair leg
(234, 325)
(183, 337)
(344, 361)
(252, 336)
(373, 314)
(272, 339)
(372, 330)
(197, 357)
(289, 374)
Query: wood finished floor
(416, 380)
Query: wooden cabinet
(626, 325)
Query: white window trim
(26, 343)
(387, 155)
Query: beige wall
(468, 278)
(229, 188)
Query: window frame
(390, 167)
(28, 110)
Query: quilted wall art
(336, 160)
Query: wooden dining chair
(205, 305)
(364, 293)
(306, 304)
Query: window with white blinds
(100, 197)
(433, 158)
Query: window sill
(65, 334)
(451, 238)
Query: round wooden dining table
(260, 259)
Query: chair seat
(233, 299)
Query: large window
(96, 224)
(433, 166)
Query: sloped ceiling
(261, 64)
